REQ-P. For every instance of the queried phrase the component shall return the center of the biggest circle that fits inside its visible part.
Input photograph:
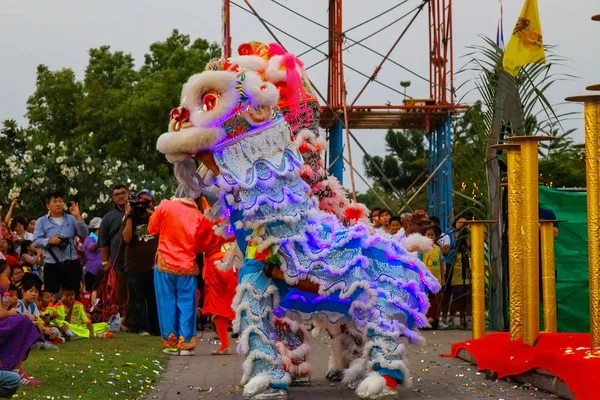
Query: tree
(36, 169)
(52, 110)
(469, 147)
(406, 162)
(117, 109)
(84, 136)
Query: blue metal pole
(439, 190)
(431, 187)
(336, 147)
(448, 207)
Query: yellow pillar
(515, 251)
(478, 277)
(592, 131)
(548, 275)
(530, 227)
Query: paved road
(208, 377)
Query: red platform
(565, 355)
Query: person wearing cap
(93, 266)
(139, 263)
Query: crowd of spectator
(448, 262)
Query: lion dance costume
(341, 271)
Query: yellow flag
(525, 45)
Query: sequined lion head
(210, 102)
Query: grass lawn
(124, 367)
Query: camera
(139, 207)
(64, 242)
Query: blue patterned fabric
(368, 278)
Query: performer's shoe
(387, 393)
(187, 353)
(353, 385)
(270, 394)
(335, 376)
(172, 351)
(218, 352)
(301, 381)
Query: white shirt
(31, 310)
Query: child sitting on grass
(27, 306)
(17, 335)
(14, 294)
(73, 321)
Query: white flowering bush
(33, 170)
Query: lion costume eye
(210, 101)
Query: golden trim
(515, 251)
(530, 241)
(548, 276)
(592, 129)
(477, 278)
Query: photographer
(55, 233)
(139, 263)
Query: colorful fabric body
(176, 295)
(79, 320)
(368, 279)
(350, 265)
(17, 334)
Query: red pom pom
(353, 213)
(389, 381)
(179, 114)
(305, 148)
(245, 49)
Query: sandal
(218, 352)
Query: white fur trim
(249, 63)
(221, 82)
(355, 372)
(188, 141)
(371, 386)
(261, 93)
(257, 385)
(417, 242)
(274, 72)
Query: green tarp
(572, 292)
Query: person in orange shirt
(183, 231)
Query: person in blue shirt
(55, 233)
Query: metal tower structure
(431, 113)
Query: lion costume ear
(251, 87)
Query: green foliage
(469, 146)
(406, 162)
(563, 169)
(31, 170)
(84, 136)
(372, 200)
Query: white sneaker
(186, 353)
(172, 351)
(144, 333)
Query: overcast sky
(59, 33)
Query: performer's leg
(293, 348)
(222, 324)
(254, 303)
(186, 309)
(164, 285)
